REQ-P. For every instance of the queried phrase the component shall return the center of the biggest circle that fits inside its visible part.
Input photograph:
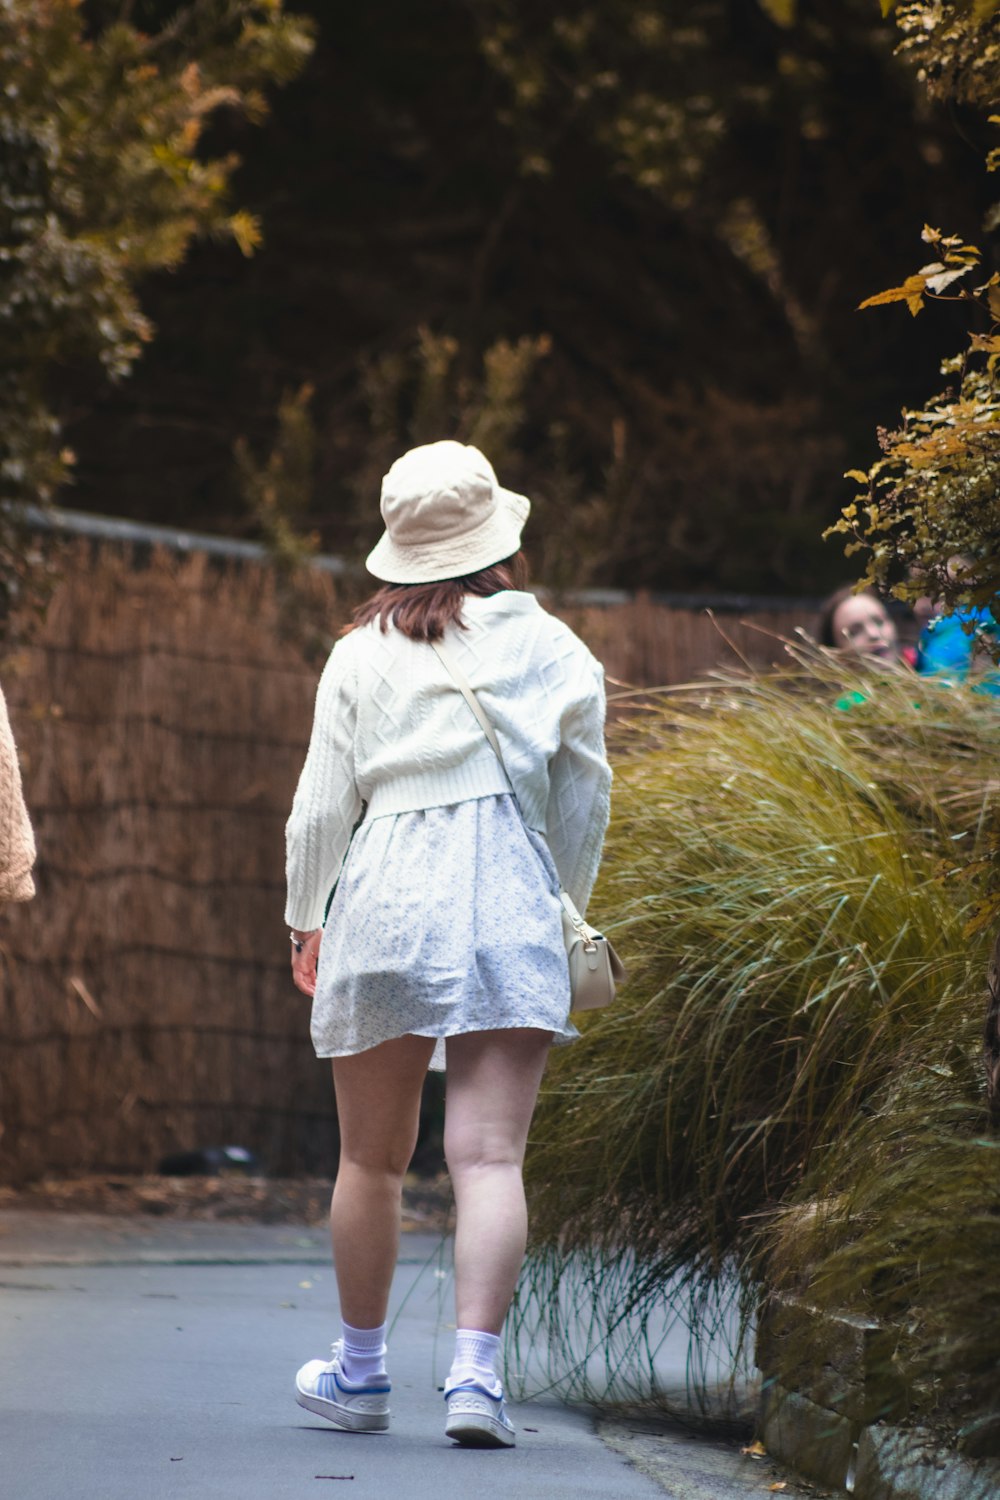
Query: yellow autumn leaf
(781, 11)
(982, 917)
(912, 291)
(858, 474)
(755, 1450)
(246, 231)
(191, 135)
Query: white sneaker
(321, 1388)
(477, 1417)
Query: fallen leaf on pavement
(755, 1450)
(782, 1484)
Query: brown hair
(423, 610)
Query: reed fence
(162, 713)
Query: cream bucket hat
(445, 516)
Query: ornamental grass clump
(790, 890)
(911, 1240)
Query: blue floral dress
(444, 921)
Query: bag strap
(469, 694)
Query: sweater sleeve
(327, 802)
(580, 788)
(17, 842)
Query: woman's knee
(388, 1157)
(462, 1157)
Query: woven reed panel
(145, 999)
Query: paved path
(142, 1359)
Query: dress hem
(558, 1038)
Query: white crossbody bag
(594, 966)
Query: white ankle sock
(476, 1355)
(363, 1353)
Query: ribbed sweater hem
(417, 791)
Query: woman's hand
(305, 953)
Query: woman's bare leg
(378, 1108)
(493, 1079)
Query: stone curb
(879, 1462)
(829, 1411)
(813, 1440)
(894, 1464)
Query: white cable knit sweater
(392, 731)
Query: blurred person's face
(862, 626)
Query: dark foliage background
(679, 206)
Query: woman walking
(444, 938)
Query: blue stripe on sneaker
(331, 1377)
